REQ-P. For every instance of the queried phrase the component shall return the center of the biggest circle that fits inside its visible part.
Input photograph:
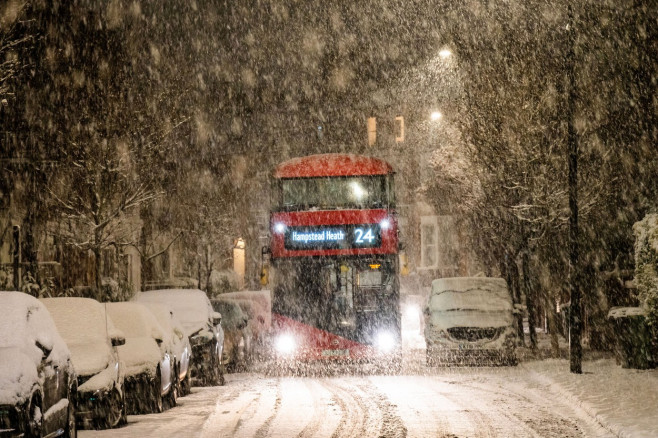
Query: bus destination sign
(333, 237)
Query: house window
(372, 131)
(429, 242)
(399, 129)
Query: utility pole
(17, 257)
(575, 320)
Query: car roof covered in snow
(256, 303)
(191, 306)
(25, 324)
(135, 320)
(232, 314)
(324, 165)
(81, 320)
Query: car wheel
(124, 409)
(186, 384)
(71, 430)
(35, 418)
(112, 416)
(172, 396)
(157, 404)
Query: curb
(583, 406)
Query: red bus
(334, 260)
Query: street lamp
(575, 274)
(436, 115)
(445, 53)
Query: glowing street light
(445, 53)
(436, 116)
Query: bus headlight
(385, 342)
(285, 344)
(411, 312)
(385, 224)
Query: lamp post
(575, 320)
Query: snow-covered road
(459, 402)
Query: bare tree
(12, 40)
(98, 198)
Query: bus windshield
(334, 192)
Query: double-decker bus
(334, 260)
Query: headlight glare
(385, 342)
(285, 344)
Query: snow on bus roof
(321, 165)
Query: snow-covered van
(469, 320)
(37, 380)
(93, 340)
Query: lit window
(372, 131)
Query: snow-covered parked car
(236, 339)
(178, 343)
(201, 324)
(470, 321)
(37, 380)
(93, 340)
(257, 305)
(149, 383)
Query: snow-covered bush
(6, 278)
(223, 281)
(113, 290)
(646, 265)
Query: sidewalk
(624, 401)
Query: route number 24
(364, 236)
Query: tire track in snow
(486, 408)
(420, 408)
(374, 415)
(293, 410)
(429, 407)
(392, 425)
(506, 408)
(355, 416)
(516, 414)
(547, 416)
(262, 430)
(240, 408)
(325, 420)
